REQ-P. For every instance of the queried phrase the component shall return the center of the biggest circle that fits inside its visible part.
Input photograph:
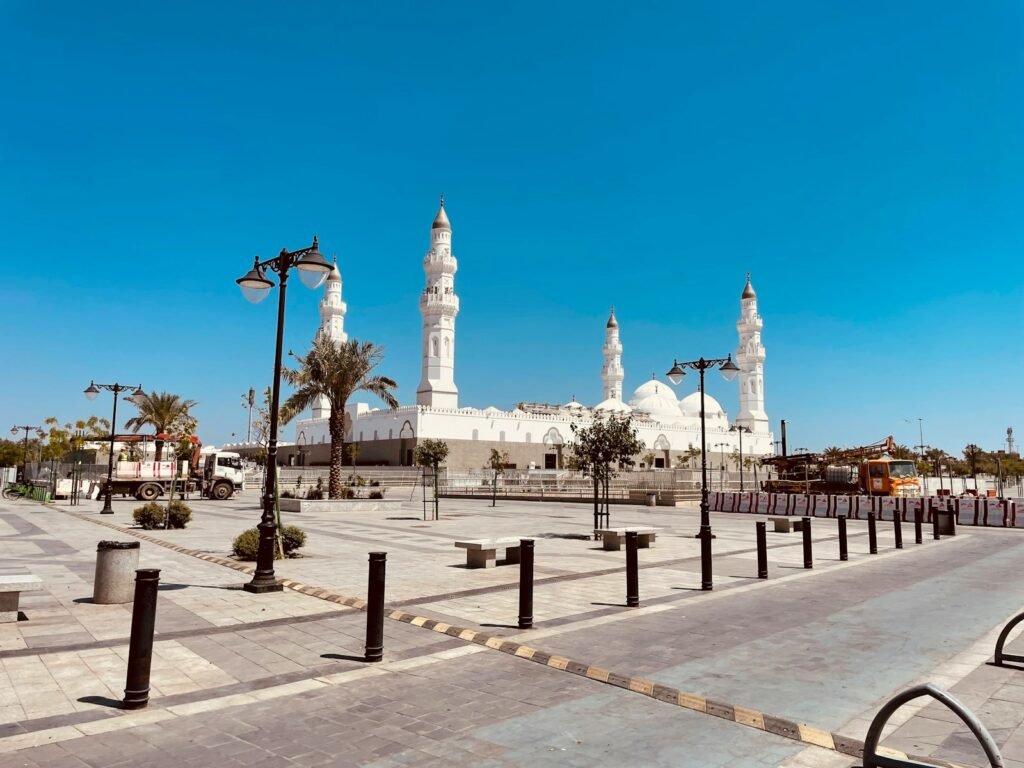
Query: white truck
(219, 476)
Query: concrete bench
(614, 537)
(787, 524)
(11, 588)
(482, 553)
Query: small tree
(352, 449)
(599, 450)
(649, 458)
(496, 463)
(431, 453)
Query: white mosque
(532, 434)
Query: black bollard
(917, 524)
(705, 561)
(935, 523)
(140, 646)
(872, 534)
(375, 607)
(843, 554)
(762, 552)
(632, 571)
(526, 583)
(808, 557)
(897, 529)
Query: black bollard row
(808, 555)
(762, 552)
(526, 583)
(917, 524)
(632, 571)
(897, 529)
(843, 553)
(375, 607)
(935, 522)
(872, 534)
(140, 646)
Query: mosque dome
(612, 405)
(334, 276)
(658, 400)
(612, 322)
(689, 406)
(574, 405)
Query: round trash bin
(652, 499)
(116, 562)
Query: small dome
(491, 410)
(574, 405)
(689, 406)
(613, 406)
(441, 220)
(748, 290)
(612, 322)
(334, 276)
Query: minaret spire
(439, 305)
(612, 373)
(332, 325)
(750, 358)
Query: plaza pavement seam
(745, 716)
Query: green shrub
(376, 495)
(246, 545)
(152, 516)
(287, 495)
(314, 494)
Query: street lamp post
(721, 464)
(91, 393)
(313, 269)
(741, 430)
(729, 370)
(24, 456)
(248, 401)
(807, 479)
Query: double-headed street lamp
(729, 370)
(741, 429)
(24, 459)
(92, 392)
(313, 270)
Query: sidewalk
(279, 677)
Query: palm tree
(159, 410)
(335, 370)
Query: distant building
(533, 434)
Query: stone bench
(482, 553)
(11, 588)
(787, 524)
(614, 537)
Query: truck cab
(890, 477)
(223, 475)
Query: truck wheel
(148, 492)
(221, 491)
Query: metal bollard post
(632, 571)
(872, 534)
(917, 524)
(140, 646)
(526, 583)
(705, 561)
(808, 558)
(935, 524)
(375, 607)
(843, 554)
(897, 529)
(762, 552)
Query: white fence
(992, 512)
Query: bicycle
(15, 491)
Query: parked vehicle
(215, 475)
(868, 469)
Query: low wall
(991, 512)
(340, 505)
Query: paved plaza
(786, 671)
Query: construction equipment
(219, 477)
(867, 469)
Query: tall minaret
(439, 305)
(332, 325)
(750, 359)
(612, 373)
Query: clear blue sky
(862, 160)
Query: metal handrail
(1003, 657)
(873, 760)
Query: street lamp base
(106, 511)
(264, 587)
(701, 536)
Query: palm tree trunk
(337, 427)
(159, 449)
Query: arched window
(433, 346)
(476, 434)
(447, 347)
(529, 437)
(501, 436)
(391, 434)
